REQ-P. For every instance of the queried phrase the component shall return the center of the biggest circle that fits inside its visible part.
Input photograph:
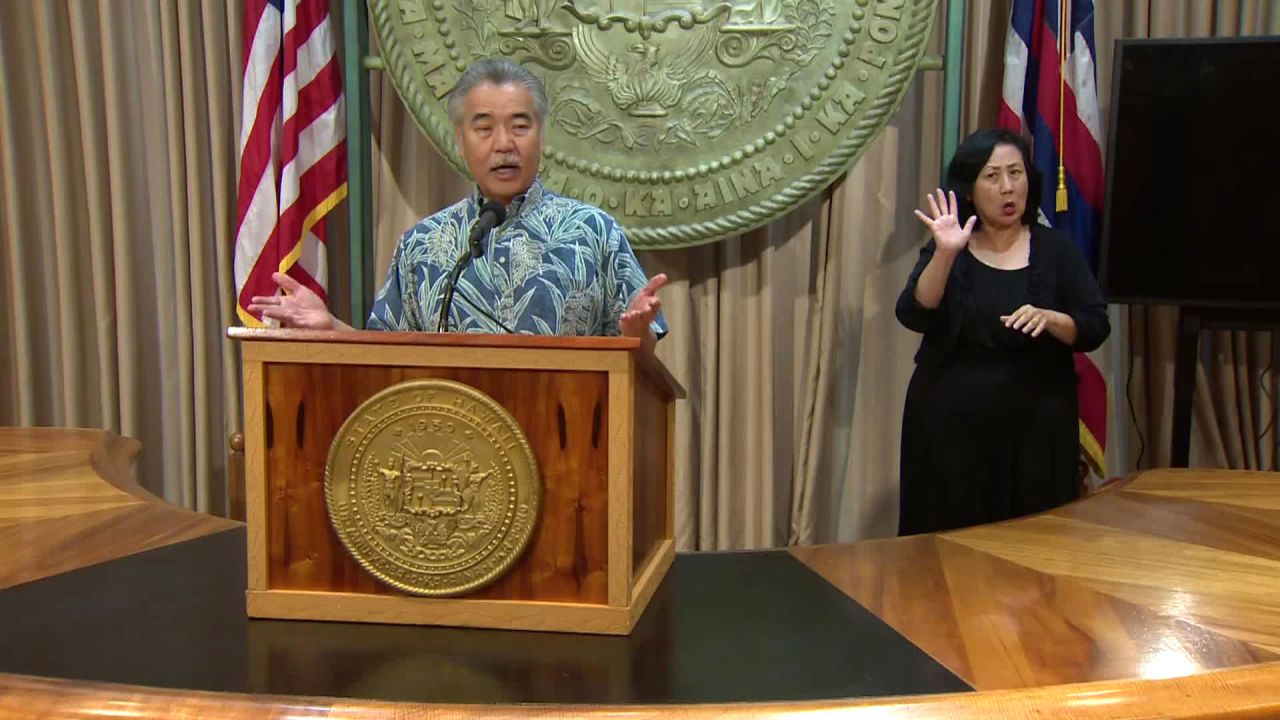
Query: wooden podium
(598, 415)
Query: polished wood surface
(566, 559)
(67, 500)
(1157, 598)
(1171, 573)
(1246, 694)
(652, 481)
(473, 340)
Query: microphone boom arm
(491, 215)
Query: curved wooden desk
(1158, 598)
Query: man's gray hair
(496, 71)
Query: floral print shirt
(555, 266)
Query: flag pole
(952, 82)
(1064, 48)
(355, 37)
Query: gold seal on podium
(432, 487)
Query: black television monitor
(1192, 212)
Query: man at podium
(511, 257)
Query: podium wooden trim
(294, 571)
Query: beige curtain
(117, 181)
(117, 165)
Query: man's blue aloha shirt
(555, 266)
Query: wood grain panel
(16, 442)
(1059, 546)
(621, 433)
(1243, 694)
(52, 546)
(255, 463)
(67, 500)
(1251, 622)
(1245, 488)
(1171, 573)
(998, 624)
(1026, 629)
(400, 609)
(649, 474)
(903, 583)
(465, 356)
(420, 339)
(649, 577)
(1222, 526)
(560, 413)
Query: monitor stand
(1191, 320)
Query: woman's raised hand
(949, 235)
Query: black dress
(990, 427)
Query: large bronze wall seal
(688, 120)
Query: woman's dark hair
(972, 156)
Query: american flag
(293, 160)
(1050, 93)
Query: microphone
(491, 215)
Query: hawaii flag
(293, 162)
(1051, 95)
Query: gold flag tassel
(1064, 45)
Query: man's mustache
(507, 159)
